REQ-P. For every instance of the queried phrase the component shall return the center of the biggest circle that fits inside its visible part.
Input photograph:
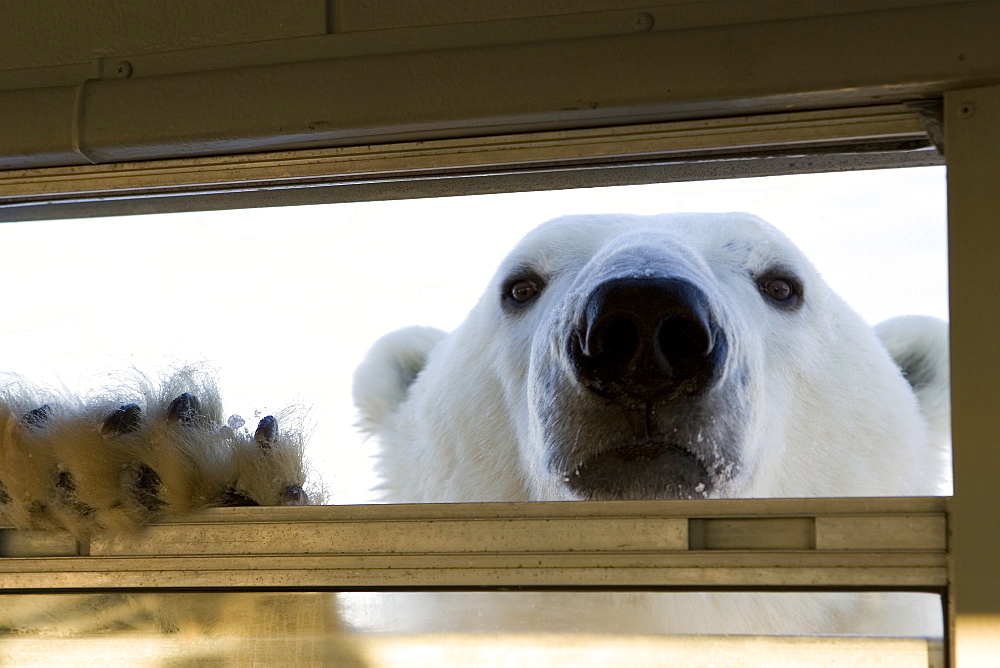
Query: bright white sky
(285, 302)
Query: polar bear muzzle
(647, 340)
(646, 403)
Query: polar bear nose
(651, 339)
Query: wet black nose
(648, 339)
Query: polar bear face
(628, 357)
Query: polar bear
(676, 356)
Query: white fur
(919, 345)
(63, 468)
(69, 469)
(828, 411)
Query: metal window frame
(869, 137)
(751, 544)
(866, 137)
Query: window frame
(899, 50)
(723, 545)
(867, 137)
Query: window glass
(284, 303)
(311, 629)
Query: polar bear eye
(778, 289)
(783, 290)
(523, 291)
(522, 286)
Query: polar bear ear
(383, 379)
(919, 346)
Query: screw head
(643, 22)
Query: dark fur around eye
(781, 288)
(521, 289)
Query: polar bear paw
(108, 464)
